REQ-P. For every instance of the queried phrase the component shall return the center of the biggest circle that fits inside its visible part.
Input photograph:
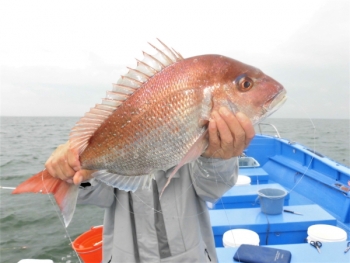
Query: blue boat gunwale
(301, 159)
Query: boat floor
(301, 250)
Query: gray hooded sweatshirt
(141, 227)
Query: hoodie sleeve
(96, 193)
(213, 177)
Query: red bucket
(89, 245)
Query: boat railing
(269, 124)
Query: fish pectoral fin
(123, 182)
(195, 151)
(64, 193)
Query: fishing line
(313, 146)
(194, 166)
(193, 170)
(230, 225)
(292, 189)
(58, 213)
(151, 206)
(195, 178)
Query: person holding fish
(163, 142)
(140, 227)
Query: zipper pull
(206, 251)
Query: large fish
(156, 117)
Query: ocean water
(29, 224)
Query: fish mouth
(274, 103)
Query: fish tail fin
(64, 193)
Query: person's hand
(64, 164)
(229, 134)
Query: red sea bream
(156, 117)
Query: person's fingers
(229, 134)
(214, 139)
(236, 140)
(214, 144)
(73, 159)
(230, 130)
(57, 167)
(225, 136)
(63, 162)
(247, 126)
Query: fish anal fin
(64, 193)
(195, 151)
(124, 182)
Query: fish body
(156, 117)
(159, 124)
(144, 135)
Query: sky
(58, 58)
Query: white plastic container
(237, 237)
(326, 233)
(243, 180)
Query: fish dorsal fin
(121, 91)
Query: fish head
(250, 91)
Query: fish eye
(245, 83)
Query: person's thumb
(82, 175)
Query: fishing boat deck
(285, 228)
(316, 186)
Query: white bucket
(243, 180)
(326, 233)
(237, 237)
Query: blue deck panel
(245, 196)
(285, 228)
(301, 253)
(257, 175)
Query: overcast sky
(59, 57)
